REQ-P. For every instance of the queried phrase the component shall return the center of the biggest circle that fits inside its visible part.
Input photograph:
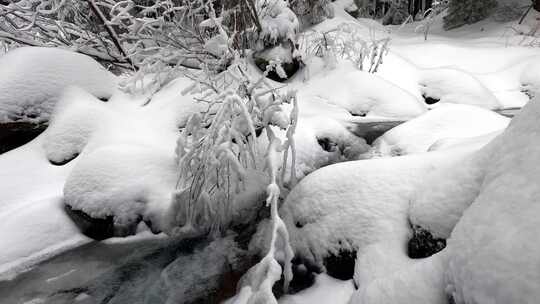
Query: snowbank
(491, 258)
(33, 78)
(33, 225)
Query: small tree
(461, 12)
(312, 11)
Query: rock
(423, 244)
(99, 228)
(283, 53)
(16, 134)
(340, 266)
(430, 100)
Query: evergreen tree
(461, 12)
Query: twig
(109, 30)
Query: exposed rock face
(16, 134)
(341, 266)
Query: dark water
(164, 270)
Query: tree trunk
(536, 5)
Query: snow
(418, 282)
(456, 86)
(310, 155)
(355, 204)
(479, 141)
(33, 78)
(462, 176)
(360, 93)
(445, 193)
(122, 181)
(491, 255)
(445, 121)
(32, 188)
(326, 290)
(33, 225)
(278, 22)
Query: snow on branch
(345, 42)
(217, 150)
(58, 23)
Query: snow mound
(78, 115)
(349, 206)
(322, 141)
(33, 78)
(361, 94)
(445, 121)
(455, 86)
(121, 181)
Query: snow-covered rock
(321, 141)
(33, 78)
(361, 94)
(351, 205)
(443, 122)
(123, 181)
(449, 85)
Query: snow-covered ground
(452, 166)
